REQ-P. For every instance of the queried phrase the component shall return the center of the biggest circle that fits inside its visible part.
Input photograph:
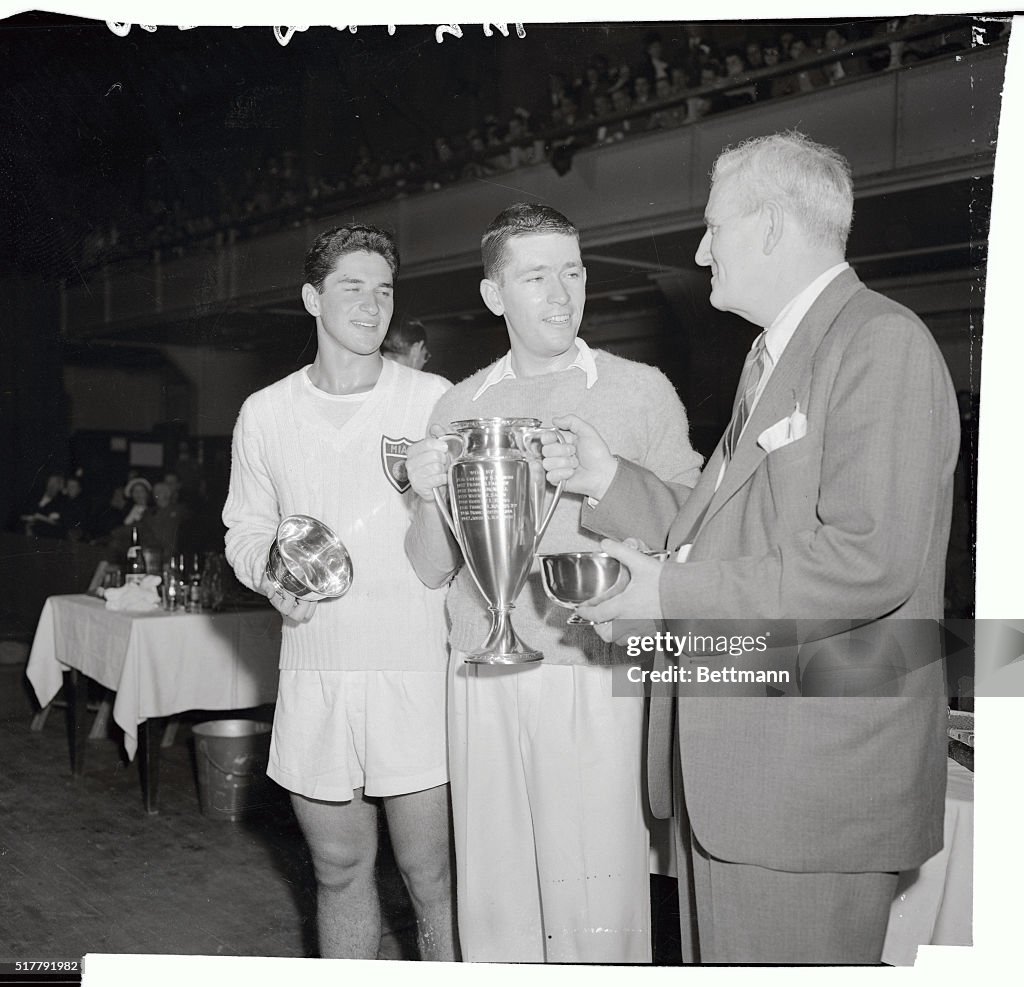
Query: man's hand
(640, 600)
(426, 464)
(287, 605)
(582, 458)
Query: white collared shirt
(503, 368)
(780, 332)
(776, 339)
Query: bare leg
(420, 829)
(342, 839)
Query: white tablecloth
(934, 904)
(157, 663)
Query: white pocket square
(783, 432)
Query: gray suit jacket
(844, 531)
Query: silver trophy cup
(497, 489)
(308, 561)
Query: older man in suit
(825, 507)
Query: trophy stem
(502, 646)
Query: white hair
(809, 180)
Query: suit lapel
(784, 387)
(696, 504)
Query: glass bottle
(172, 586)
(194, 602)
(135, 564)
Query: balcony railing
(921, 124)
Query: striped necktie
(752, 374)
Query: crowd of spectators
(606, 100)
(170, 511)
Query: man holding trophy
(360, 710)
(551, 843)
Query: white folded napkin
(134, 596)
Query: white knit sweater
(286, 459)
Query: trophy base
(509, 658)
(502, 646)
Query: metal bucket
(231, 766)
(308, 560)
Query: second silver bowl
(572, 578)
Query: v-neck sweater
(287, 459)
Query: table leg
(149, 761)
(76, 691)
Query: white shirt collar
(503, 368)
(780, 332)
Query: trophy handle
(527, 438)
(460, 443)
(547, 517)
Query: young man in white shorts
(360, 717)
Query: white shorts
(335, 732)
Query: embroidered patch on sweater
(392, 456)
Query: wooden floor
(84, 869)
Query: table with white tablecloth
(934, 903)
(157, 663)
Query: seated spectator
(669, 117)
(138, 492)
(799, 80)
(622, 79)
(698, 41)
(478, 164)
(641, 90)
(655, 66)
(697, 49)
(445, 158)
(190, 473)
(681, 80)
(558, 88)
(736, 68)
(569, 112)
(754, 55)
(601, 109)
(842, 68)
(75, 514)
(771, 56)
(161, 528)
(522, 151)
(808, 79)
(44, 518)
(173, 481)
(111, 516)
(621, 103)
(916, 49)
(711, 73)
(593, 84)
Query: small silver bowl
(572, 578)
(308, 560)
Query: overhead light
(618, 298)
